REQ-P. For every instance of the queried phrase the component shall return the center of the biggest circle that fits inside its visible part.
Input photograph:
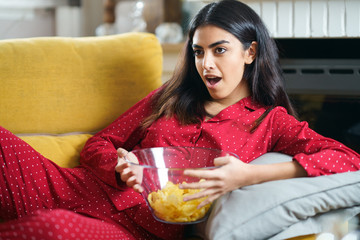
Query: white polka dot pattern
(31, 185)
(61, 225)
(229, 130)
(30, 182)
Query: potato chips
(169, 206)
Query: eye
(197, 52)
(220, 50)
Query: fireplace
(322, 77)
(319, 44)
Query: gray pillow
(285, 208)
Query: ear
(250, 53)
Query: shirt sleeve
(99, 154)
(318, 155)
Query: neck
(213, 108)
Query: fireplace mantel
(303, 18)
(309, 18)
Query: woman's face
(220, 61)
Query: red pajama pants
(40, 200)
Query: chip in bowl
(169, 206)
(160, 170)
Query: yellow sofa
(56, 92)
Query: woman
(227, 93)
(230, 62)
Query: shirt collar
(244, 106)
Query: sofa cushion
(60, 85)
(285, 208)
(64, 150)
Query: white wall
(92, 16)
(34, 18)
(18, 23)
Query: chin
(216, 97)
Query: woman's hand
(231, 174)
(131, 175)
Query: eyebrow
(211, 45)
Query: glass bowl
(161, 170)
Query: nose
(208, 62)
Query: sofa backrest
(56, 85)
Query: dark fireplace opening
(322, 78)
(337, 117)
(319, 48)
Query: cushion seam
(53, 134)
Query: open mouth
(212, 80)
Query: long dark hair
(185, 94)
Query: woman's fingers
(124, 156)
(208, 200)
(138, 188)
(201, 174)
(131, 158)
(220, 161)
(134, 183)
(130, 179)
(201, 184)
(121, 165)
(125, 174)
(209, 174)
(131, 175)
(121, 152)
(210, 190)
(210, 195)
(217, 182)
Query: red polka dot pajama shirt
(40, 200)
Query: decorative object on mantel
(122, 16)
(143, 16)
(129, 16)
(169, 32)
(164, 18)
(190, 8)
(108, 27)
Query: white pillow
(285, 208)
